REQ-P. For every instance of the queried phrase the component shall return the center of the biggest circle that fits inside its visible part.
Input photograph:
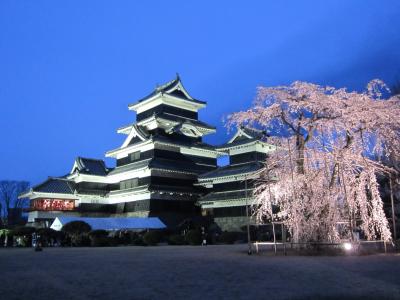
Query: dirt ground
(184, 272)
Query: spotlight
(347, 246)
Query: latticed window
(128, 184)
(134, 156)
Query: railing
(137, 188)
(224, 196)
(92, 192)
(350, 247)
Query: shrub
(227, 237)
(114, 241)
(126, 237)
(4, 234)
(137, 240)
(22, 231)
(99, 233)
(100, 241)
(49, 236)
(48, 233)
(193, 237)
(99, 238)
(176, 239)
(76, 227)
(80, 240)
(23, 235)
(77, 232)
(152, 238)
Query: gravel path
(184, 272)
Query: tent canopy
(111, 223)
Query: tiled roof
(91, 166)
(200, 124)
(175, 189)
(162, 89)
(56, 185)
(235, 143)
(164, 139)
(173, 165)
(174, 118)
(139, 129)
(132, 166)
(164, 164)
(229, 195)
(254, 133)
(249, 135)
(232, 170)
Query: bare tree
(9, 191)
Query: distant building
(163, 168)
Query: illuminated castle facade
(163, 169)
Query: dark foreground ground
(184, 272)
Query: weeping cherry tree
(330, 147)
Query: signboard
(52, 204)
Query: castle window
(134, 156)
(128, 184)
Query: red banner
(52, 204)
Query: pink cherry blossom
(331, 146)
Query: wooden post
(272, 216)
(273, 231)
(393, 210)
(283, 238)
(249, 251)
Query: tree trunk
(300, 149)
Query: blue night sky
(69, 69)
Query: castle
(163, 169)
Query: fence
(350, 247)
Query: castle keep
(163, 169)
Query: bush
(114, 241)
(80, 240)
(126, 237)
(100, 241)
(76, 227)
(99, 233)
(176, 239)
(228, 237)
(48, 236)
(99, 238)
(48, 233)
(22, 231)
(77, 232)
(152, 238)
(138, 241)
(193, 237)
(23, 235)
